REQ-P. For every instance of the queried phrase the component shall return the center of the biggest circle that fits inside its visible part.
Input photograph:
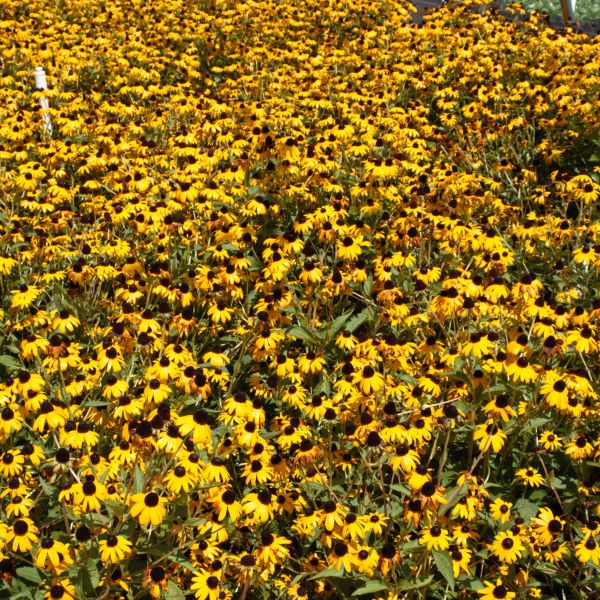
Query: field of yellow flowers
(298, 300)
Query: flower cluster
(296, 307)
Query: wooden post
(568, 11)
(41, 84)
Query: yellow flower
(500, 510)
(90, 494)
(521, 371)
(114, 548)
(588, 550)
(461, 557)
(435, 538)
(489, 436)
(148, 508)
(530, 477)
(51, 554)
(25, 296)
(497, 591)
(546, 526)
(21, 535)
(507, 547)
(368, 380)
(342, 556)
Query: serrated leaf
(357, 320)
(29, 574)
(443, 562)
(92, 569)
(46, 487)
(371, 587)
(336, 325)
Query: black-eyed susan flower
(500, 407)
(21, 535)
(114, 548)
(179, 479)
(149, 508)
(546, 526)
(11, 463)
(495, 591)
(489, 435)
(89, 494)
(521, 370)
(25, 296)
(434, 538)
(206, 586)
(368, 380)
(51, 553)
(500, 510)
(550, 441)
(61, 589)
(588, 550)
(461, 558)
(342, 556)
(310, 363)
(226, 505)
(507, 547)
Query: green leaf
(10, 362)
(414, 584)
(400, 487)
(94, 574)
(526, 508)
(536, 422)
(496, 389)
(302, 334)
(115, 507)
(46, 487)
(29, 574)
(371, 587)
(138, 480)
(84, 583)
(96, 403)
(331, 572)
(182, 562)
(323, 386)
(357, 320)
(337, 324)
(174, 592)
(443, 562)
(11, 595)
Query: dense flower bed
(298, 300)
